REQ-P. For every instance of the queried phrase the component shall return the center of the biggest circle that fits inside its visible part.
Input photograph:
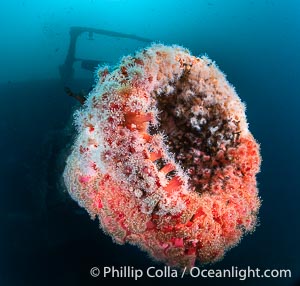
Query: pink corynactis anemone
(164, 158)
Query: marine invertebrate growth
(164, 157)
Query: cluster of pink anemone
(164, 158)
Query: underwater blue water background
(45, 238)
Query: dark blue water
(45, 238)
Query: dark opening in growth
(198, 133)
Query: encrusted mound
(164, 157)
